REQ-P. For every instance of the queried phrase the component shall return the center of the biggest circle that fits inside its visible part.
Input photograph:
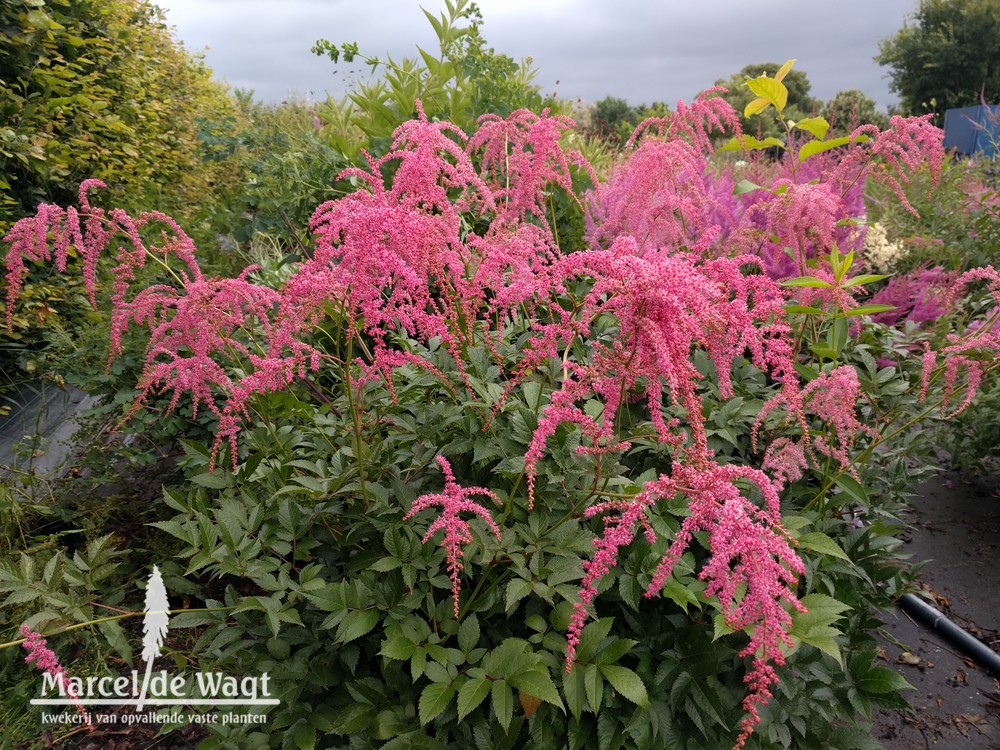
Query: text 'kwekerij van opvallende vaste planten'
(658, 466)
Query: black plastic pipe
(965, 642)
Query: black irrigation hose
(975, 649)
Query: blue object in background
(973, 130)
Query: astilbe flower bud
(453, 501)
(46, 660)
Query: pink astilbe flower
(694, 123)
(833, 398)
(620, 526)
(195, 330)
(658, 197)
(894, 154)
(711, 306)
(752, 568)
(522, 158)
(802, 218)
(29, 239)
(786, 460)
(971, 352)
(750, 551)
(46, 660)
(454, 500)
(917, 295)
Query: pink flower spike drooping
(453, 501)
(46, 660)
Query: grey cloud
(641, 50)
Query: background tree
(850, 108)
(800, 103)
(947, 57)
(609, 116)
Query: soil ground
(955, 527)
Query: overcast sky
(639, 50)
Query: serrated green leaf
(305, 736)
(680, 594)
(473, 693)
(819, 542)
(355, 624)
(218, 480)
(591, 638)
(386, 564)
(853, 489)
(509, 658)
(574, 690)
(720, 627)
(398, 647)
(433, 700)
(822, 637)
(502, 698)
(627, 683)
(538, 684)
(594, 686)
(418, 663)
(468, 633)
(821, 610)
(116, 638)
(517, 589)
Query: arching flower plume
(972, 352)
(453, 501)
(752, 568)
(712, 306)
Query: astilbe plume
(29, 239)
(893, 155)
(752, 568)
(974, 352)
(46, 660)
(709, 305)
(662, 195)
(802, 218)
(657, 197)
(453, 501)
(393, 258)
(832, 397)
(917, 295)
(694, 123)
(522, 158)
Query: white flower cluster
(881, 255)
